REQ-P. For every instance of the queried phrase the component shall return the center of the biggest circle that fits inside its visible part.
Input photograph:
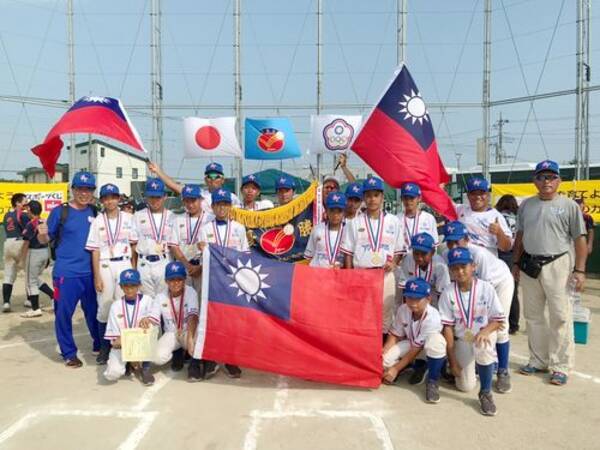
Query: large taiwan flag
(398, 142)
(104, 116)
(312, 323)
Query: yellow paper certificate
(138, 344)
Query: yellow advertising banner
(588, 190)
(49, 195)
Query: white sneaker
(6, 307)
(32, 313)
(27, 304)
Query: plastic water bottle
(574, 296)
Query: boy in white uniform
(133, 310)
(494, 271)
(250, 193)
(178, 308)
(323, 247)
(424, 263)
(414, 220)
(110, 240)
(375, 239)
(155, 227)
(416, 333)
(354, 196)
(471, 314)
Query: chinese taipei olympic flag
(312, 323)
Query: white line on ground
(37, 341)
(583, 376)
(160, 381)
(138, 433)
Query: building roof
(64, 168)
(136, 155)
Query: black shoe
(128, 369)
(146, 377)
(102, 357)
(418, 374)
(233, 371)
(513, 330)
(73, 363)
(177, 360)
(196, 370)
(210, 369)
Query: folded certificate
(138, 344)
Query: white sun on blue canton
(249, 281)
(414, 108)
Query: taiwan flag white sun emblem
(248, 280)
(414, 108)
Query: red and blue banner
(312, 323)
(270, 139)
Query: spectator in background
(507, 206)
(589, 225)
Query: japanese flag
(210, 137)
(331, 133)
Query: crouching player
(178, 308)
(134, 310)
(416, 333)
(471, 314)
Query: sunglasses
(214, 176)
(546, 177)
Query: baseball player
(285, 187)
(223, 232)
(154, 227)
(471, 314)
(375, 239)
(354, 195)
(14, 224)
(494, 271)
(323, 248)
(487, 227)
(110, 240)
(178, 308)
(424, 263)
(35, 255)
(414, 220)
(133, 310)
(416, 333)
(250, 194)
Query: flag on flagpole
(104, 116)
(263, 314)
(210, 137)
(270, 139)
(397, 142)
(332, 133)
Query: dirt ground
(45, 404)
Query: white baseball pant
(153, 276)
(115, 367)
(435, 347)
(37, 259)
(12, 259)
(167, 344)
(110, 272)
(505, 290)
(467, 355)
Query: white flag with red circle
(210, 137)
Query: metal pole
(71, 53)
(401, 31)
(156, 80)
(586, 94)
(238, 84)
(487, 59)
(578, 91)
(319, 76)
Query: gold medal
(376, 259)
(469, 336)
(158, 248)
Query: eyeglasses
(214, 176)
(548, 177)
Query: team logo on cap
(338, 134)
(420, 239)
(128, 275)
(335, 198)
(413, 286)
(110, 187)
(476, 182)
(282, 180)
(188, 189)
(450, 229)
(154, 185)
(83, 177)
(408, 187)
(372, 181)
(545, 164)
(251, 177)
(212, 166)
(271, 140)
(355, 189)
(456, 253)
(222, 192)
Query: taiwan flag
(104, 116)
(210, 137)
(397, 141)
(312, 323)
(270, 139)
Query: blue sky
(444, 54)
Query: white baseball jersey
(155, 231)
(260, 205)
(187, 232)
(125, 314)
(487, 267)
(112, 237)
(228, 233)
(176, 311)
(436, 274)
(478, 224)
(472, 310)
(323, 247)
(371, 242)
(422, 222)
(414, 330)
(207, 200)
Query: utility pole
(319, 76)
(401, 30)
(499, 125)
(71, 53)
(237, 94)
(156, 80)
(485, 100)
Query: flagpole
(156, 89)
(237, 94)
(487, 60)
(401, 13)
(319, 75)
(71, 53)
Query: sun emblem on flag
(96, 99)
(248, 280)
(414, 108)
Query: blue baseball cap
(175, 269)
(477, 184)
(221, 195)
(459, 255)
(373, 184)
(214, 168)
(154, 188)
(547, 166)
(251, 179)
(354, 190)
(130, 276)
(84, 180)
(335, 200)
(416, 288)
(109, 189)
(191, 191)
(454, 231)
(422, 242)
(410, 190)
(284, 182)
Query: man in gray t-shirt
(547, 225)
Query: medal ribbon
(374, 238)
(428, 272)
(466, 314)
(415, 227)
(136, 310)
(413, 335)
(157, 234)
(220, 242)
(177, 317)
(112, 238)
(192, 235)
(332, 255)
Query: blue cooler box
(581, 332)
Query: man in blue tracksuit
(72, 276)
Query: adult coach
(547, 224)
(68, 225)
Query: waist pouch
(532, 264)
